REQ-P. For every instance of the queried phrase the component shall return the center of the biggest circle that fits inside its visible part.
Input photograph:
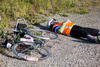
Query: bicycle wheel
(29, 52)
(42, 34)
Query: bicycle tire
(47, 34)
(18, 47)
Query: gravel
(64, 51)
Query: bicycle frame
(15, 39)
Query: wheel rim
(30, 51)
(45, 34)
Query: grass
(81, 11)
(64, 15)
(13, 9)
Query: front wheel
(29, 52)
(42, 34)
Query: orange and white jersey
(66, 30)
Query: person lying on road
(70, 29)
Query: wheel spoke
(44, 34)
(27, 49)
(43, 55)
(30, 51)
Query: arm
(63, 26)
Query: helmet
(49, 22)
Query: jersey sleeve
(60, 30)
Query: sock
(92, 38)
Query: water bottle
(27, 38)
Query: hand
(67, 21)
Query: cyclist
(70, 29)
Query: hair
(51, 26)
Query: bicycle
(26, 47)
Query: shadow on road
(83, 40)
(4, 51)
(41, 27)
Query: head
(51, 23)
